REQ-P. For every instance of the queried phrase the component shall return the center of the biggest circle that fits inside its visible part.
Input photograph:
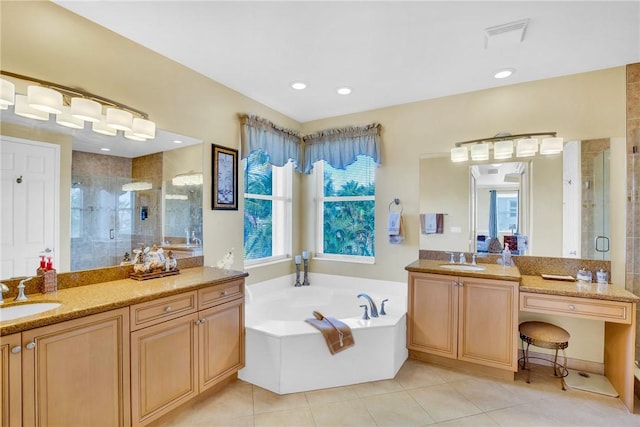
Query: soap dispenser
(506, 256)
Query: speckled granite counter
(609, 292)
(85, 300)
(491, 271)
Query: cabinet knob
(454, 283)
(224, 293)
(199, 321)
(167, 309)
(16, 349)
(31, 345)
(572, 307)
(460, 284)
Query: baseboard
(462, 365)
(546, 359)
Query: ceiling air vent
(509, 34)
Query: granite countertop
(90, 299)
(491, 271)
(610, 292)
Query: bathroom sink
(22, 310)
(463, 267)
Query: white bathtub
(285, 354)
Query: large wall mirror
(137, 193)
(558, 205)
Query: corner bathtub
(284, 354)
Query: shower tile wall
(633, 185)
(592, 203)
(147, 229)
(96, 192)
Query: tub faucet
(374, 309)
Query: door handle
(112, 233)
(605, 247)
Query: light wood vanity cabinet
(11, 377)
(77, 372)
(464, 318)
(182, 345)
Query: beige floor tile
(487, 394)
(292, 418)
(328, 395)
(397, 409)
(233, 401)
(590, 411)
(526, 414)
(480, 420)
(442, 402)
(377, 387)
(347, 413)
(267, 401)
(414, 374)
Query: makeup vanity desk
(609, 303)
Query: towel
(394, 228)
(432, 223)
(336, 334)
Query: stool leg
(526, 362)
(555, 364)
(564, 369)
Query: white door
(29, 214)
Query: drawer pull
(168, 309)
(224, 293)
(31, 345)
(572, 307)
(17, 349)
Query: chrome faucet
(374, 309)
(21, 296)
(3, 288)
(451, 259)
(194, 239)
(463, 259)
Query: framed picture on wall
(225, 178)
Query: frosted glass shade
(130, 135)
(137, 186)
(144, 128)
(7, 93)
(503, 149)
(23, 109)
(459, 154)
(191, 178)
(551, 145)
(119, 119)
(527, 147)
(66, 119)
(44, 99)
(102, 128)
(480, 152)
(86, 109)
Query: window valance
(340, 147)
(282, 145)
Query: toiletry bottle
(50, 280)
(506, 256)
(43, 266)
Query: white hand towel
(430, 223)
(393, 228)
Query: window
(267, 209)
(507, 207)
(346, 209)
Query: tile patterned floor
(420, 395)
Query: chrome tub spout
(374, 309)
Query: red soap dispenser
(50, 282)
(43, 266)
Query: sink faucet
(3, 288)
(451, 259)
(374, 309)
(463, 260)
(194, 239)
(21, 296)
(186, 233)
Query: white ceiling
(388, 52)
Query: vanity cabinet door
(163, 367)
(488, 322)
(11, 381)
(433, 314)
(221, 332)
(76, 373)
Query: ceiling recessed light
(503, 74)
(177, 141)
(344, 91)
(105, 149)
(298, 85)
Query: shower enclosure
(595, 200)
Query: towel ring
(395, 202)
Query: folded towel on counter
(432, 223)
(394, 228)
(336, 334)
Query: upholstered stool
(545, 335)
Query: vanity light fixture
(191, 178)
(503, 149)
(130, 135)
(480, 152)
(503, 146)
(526, 147)
(551, 146)
(44, 98)
(7, 93)
(459, 154)
(176, 197)
(22, 108)
(137, 186)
